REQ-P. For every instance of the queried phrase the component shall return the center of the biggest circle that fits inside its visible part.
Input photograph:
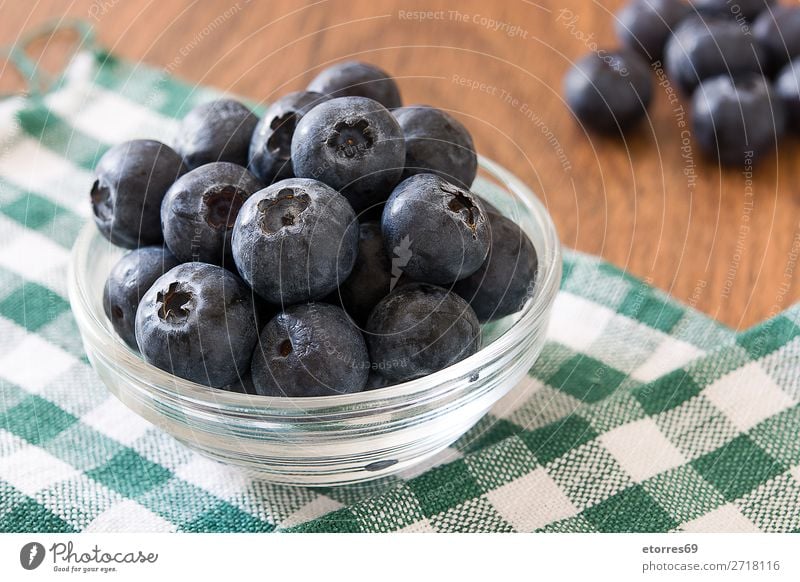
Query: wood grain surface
(723, 241)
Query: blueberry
(787, 87)
(130, 278)
(733, 117)
(609, 92)
(732, 9)
(271, 145)
(295, 240)
(198, 322)
(356, 79)
(419, 329)
(437, 143)
(645, 25)
(200, 209)
(702, 48)
(371, 277)
(354, 145)
(131, 180)
(217, 131)
(434, 231)
(778, 33)
(505, 280)
(311, 349)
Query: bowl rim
(131, 363)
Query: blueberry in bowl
(357, 79)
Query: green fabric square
(32, 306)
(488, 431)
(630, 510)
(30, 516)
(778, 436)
(767, 337)
(130, 474)
(82, 447)
(473, 516)
(395, 509)
(32, 211)
(667, 392)
(444, 487)
(550, 442)
(586, 379)
(54, 133)
(737, 468)
(642, 305)
(339, 521)
(501, 463)
(771, 505)
(225, 517)
(37, 421)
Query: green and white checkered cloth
(641, 415)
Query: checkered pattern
(641, 414)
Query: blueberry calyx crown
(279, 143)
(351, 138)
(101, 201)
(222, 207)
(174, 303)
(285, 348)
(461, 202)
(283, 211)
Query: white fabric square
(531, 502)
(577, 322)
(724, 519)
(747, 396)
(129, 517)
(216, 478)
(34, 363)
(34, 256)
(312, 510)
(31, 469)
(114, 420)
(641, 449)
(670, 355)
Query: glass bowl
(328, 440)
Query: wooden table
(723, 241)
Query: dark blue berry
(354, 145)
(736, 119)
(130, 278)
(778, 33)
(737, 10)
(609, 92)
(356, 79)
(787, 87)
(435, 231)
(645, 25)
(200, 209)
(419, 329)
(131, 180)
(506, 279)
(217, 131)
(198, 322)
(295, 240)
(702, 48)
(312, 349)
(437, 143)
(271, 146)
(371, 277)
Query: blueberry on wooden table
(732, 9)
(200, 209)
(198, 322)
(506, 279)
(778, 33)
(357, 79)
(611, 92)
(645, 25)
(295, 241)
(128, 280)
(419, 329)
(217, 131)
(131, 181)
(312, 349)
(787, 87)
(437, 143)
(271, 144)
(436, 232)
(352, 144)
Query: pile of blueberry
(738, 60)
(332, 246)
